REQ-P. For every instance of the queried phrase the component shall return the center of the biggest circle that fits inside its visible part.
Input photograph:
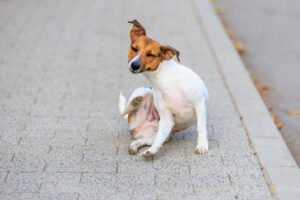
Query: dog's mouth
(135, 71)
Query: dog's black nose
(135, 65)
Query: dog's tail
(122, 104)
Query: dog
(179, 95)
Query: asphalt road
(270, 31)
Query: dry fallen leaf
(250, 72)
(239, 47)
(278, 124)
(276, 121)
(219, 9)
(293, 112)
(272, 188)
(224, 22)
(229, 32)
(262, 87)
(273, 116)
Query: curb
(278, 166)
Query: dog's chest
(176, 102)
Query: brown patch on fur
(137, 101)
(151, 52)
(129, 118)
(169, 52)
(137, 30)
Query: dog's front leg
(165, 126)
(202, 143)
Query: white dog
(179, 94)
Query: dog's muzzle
(134, 65)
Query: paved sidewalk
(62, 66)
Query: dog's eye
(134, 49)
(150, 55)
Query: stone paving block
(64, 162)
(15, 110)
(2, 178)
(35, 144)
(89, 196)
(205, 164)
(219, 193)
(74, 109)
(49, 196)
(103, 148)
(72, 124)
(34, 134)
(45, 110)
(140, 184)
(9, 137)
(53, 87)
(75, 138)
(22, 182)
(103, 123)
(15, 196)
(101, 110)
(205, 195)
(28, 162)
(5, 159)
(100, 163)
(243, 170)
(104, 184)
(19, 99)
(61, 183)
(12, 123)
(47, 124)
(251, 192)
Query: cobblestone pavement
(62, 66)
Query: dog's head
(144, 53)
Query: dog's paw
(137, 101)
(202, 148)
(147, 154)
(132, 150)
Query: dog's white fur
(180, 98)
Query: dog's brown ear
(137, 30)
(169, 52)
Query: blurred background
(266, 33)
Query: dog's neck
(161, 70)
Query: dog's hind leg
(136, 144)
(165, 126)
(202, 143)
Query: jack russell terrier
(176, 101)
